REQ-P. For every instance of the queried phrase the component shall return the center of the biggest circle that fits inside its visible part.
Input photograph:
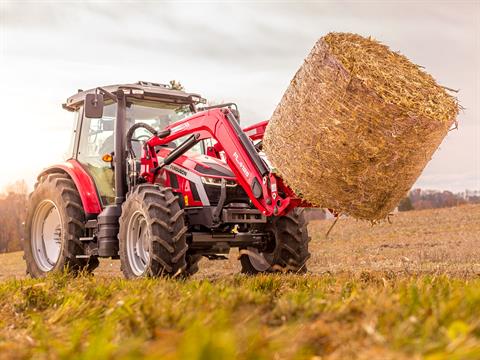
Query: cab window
(71, 147)
(96, 140)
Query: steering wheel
(143, 137)
(139, 140)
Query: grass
(369, 315)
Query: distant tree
(423, 204)
(415, 195)
(473, 199)
(13, 209)
(405, 204)
(428, 199)
(18, 187)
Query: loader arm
(256, 131)
(265, 190)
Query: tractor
(157, 179)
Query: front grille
(234, 194)
(194, 190)
(173, 180)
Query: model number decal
(241, 165)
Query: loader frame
(266, 191)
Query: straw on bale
(356, 126)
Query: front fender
(83, 182)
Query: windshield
(156, 114)
(159, 116)
(97, 137)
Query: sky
(245, 52)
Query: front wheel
(288, 250)
(152, 233)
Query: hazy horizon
(241, 52)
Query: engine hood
(203, 165)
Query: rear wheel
(152, 233)
(288, 251)
(54, 225)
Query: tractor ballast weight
(170, 206)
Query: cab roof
(140, 90)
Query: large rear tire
(152, 233)
(55, 222)
(288, 251)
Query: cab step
(86, 238)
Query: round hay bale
(356, 126)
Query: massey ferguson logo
(178, 170)
(241, 165)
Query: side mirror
(94, 106)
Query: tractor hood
(202, 165)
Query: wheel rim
(46, 235)
(138, 243)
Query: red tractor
(158, 181)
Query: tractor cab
(94, 142)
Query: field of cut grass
(405, 290)
(280, 317)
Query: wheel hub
(46, 235)
(138, 243)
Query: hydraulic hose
(131, 131)
(149, 128)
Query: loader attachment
(265, 190)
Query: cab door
(95, 140)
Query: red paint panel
(256, 131)
(83, 182)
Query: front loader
(158, 180)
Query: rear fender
(83, 182)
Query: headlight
(218, 181)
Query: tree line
(418, 199)
(13, 210)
